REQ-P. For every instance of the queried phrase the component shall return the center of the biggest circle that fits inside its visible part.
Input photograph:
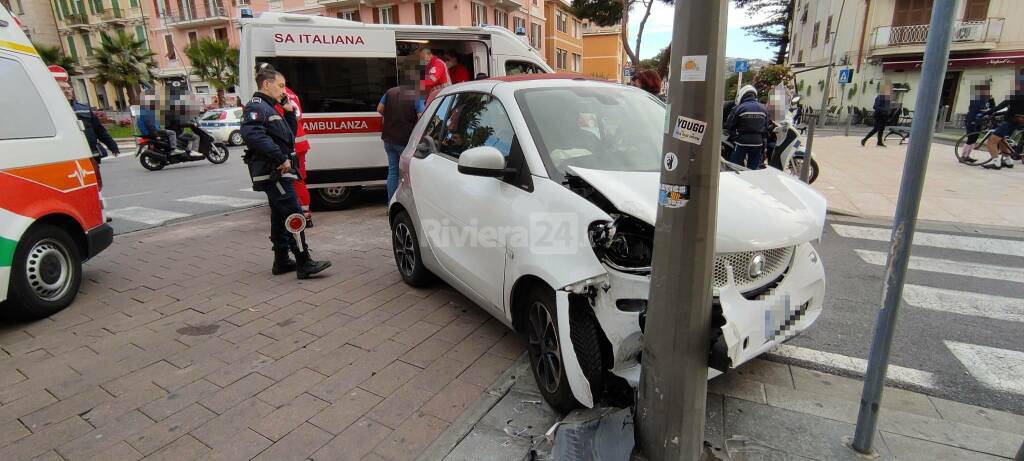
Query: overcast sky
(658, 32)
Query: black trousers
(283, 202)
(879, 128)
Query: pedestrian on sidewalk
(401, 107)
(747, 126)
(270, 141)
(1014, 120)
(95, 133)
(981, 103)
(883, 111)
(301, 145)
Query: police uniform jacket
(94, 131)
(269, 140)
(748, 122)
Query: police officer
(270, 155)
(748, 128)
(94, 130)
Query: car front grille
(775, 263)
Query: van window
(337, 84)
(33, 120)
(522, 67)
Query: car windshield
(211, 115)
(601, 128)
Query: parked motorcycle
(154, 153)
(789, 153)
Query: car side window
(476, 120)
(522, 67)
(435, 128)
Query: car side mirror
(426, 147)
(483, 161)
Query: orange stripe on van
(62, 176)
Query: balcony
(215, 13)
(76, 20)
(341, 3)
(509, 5)
(967, 35)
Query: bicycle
(988, 124)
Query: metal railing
(76, 20)
(984, 30)
(111, 14)
(214, 10)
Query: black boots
(307, 266)
(282, 263)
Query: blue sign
(845, 76)
(742, 65)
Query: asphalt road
(959, 334)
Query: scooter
(789, 153)
(155, 153)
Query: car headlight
(625, 244)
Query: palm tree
(124, 61)
(54, 55)
(215, 62)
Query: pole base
(848, 443)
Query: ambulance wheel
(151, 162)
(45, 273)
(335, 198)
(235, 138)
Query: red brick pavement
(182, 345)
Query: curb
(465, 423)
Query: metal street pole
(831, 64)
(805, 167)
(673, 381)
(922, 128)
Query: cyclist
(997, 146)
(981, 101)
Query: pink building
(174, 24)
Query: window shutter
(419, 12)
(376, 15)
(394, 14)
(355, 16)
(439, 11)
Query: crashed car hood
(757, 209)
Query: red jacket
(436, 75)
(459, 74)
(301, 143)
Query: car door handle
(510, 253)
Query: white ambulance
(340, 69)
(51, 214)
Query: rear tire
(796, 167)
(45, 274)
(218, 154)
(335, 198)
(151, 161)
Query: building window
(479, 14)
(535, 33)
(814, 34)
(519, 25)
(800, 56)
(71, 48)
(576, 28)
(501, 18)
(976, 10)
(561, 58)
(385, 15)
(577, 63)
(828, 29)
(561, 21)
(140, 34)
(221, 34)
(193, 37)
(88, 44)
(169, 43)
(352, 15)
(428, 17)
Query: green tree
(770, 76)
(216, 62)
(125, 62)
(774, 24)
(606, 13)
(53, 55)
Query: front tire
(336, 198)
(545, 349)
(218, 154)
(46, 273)
(408, 256)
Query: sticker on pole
(689, 130)
(673, 196)
(670, 162)
(694, 69)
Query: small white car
(536, 197)
(223, 124)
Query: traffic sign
(742, 65)
(296, 223)
(845, 76)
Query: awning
(962, 61)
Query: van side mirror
(484, 161)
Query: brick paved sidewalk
(183, 346)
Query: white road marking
(115, 197)
(145, 215)
(965, 303)
(945, 266)
(221, 200)
(998, 369)
(895, 373)
(249, 189)
(955, 242)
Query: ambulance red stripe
(341, 125)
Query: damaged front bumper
(746, 324)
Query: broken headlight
(625, 244)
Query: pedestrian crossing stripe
(145, 215)
(948, 241)
(998, 369)
(903, 375)
(233, 202)
(945, 266)
(965, 303)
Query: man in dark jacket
(883, 110)
(981, 102)
(747, 126)
(95, 132)
(270, 155)
(1014, 120)
(401, 107)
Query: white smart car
(223, 124)
(536, 198)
